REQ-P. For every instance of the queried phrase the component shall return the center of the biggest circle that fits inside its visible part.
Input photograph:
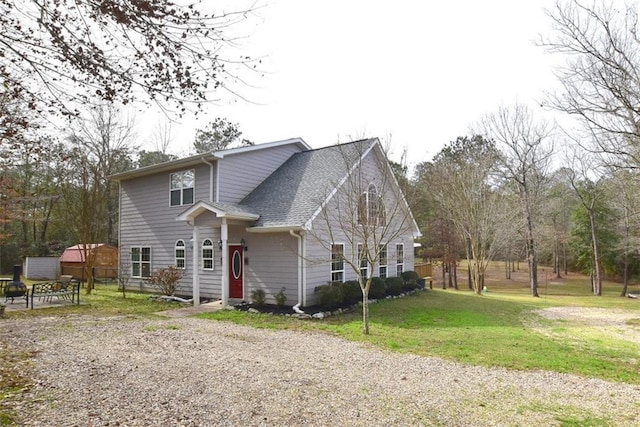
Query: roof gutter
(275, 229)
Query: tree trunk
(365, 312)
(625, 275)
(597, 268)
(531, 253)
(556, 259)
(455, 275)
(444, 281)
(564, 258)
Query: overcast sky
(417, 73)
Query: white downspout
(296, 307)
(303, 242)
(196, 262)
(224, 232)
(217, 181)
(210, 179)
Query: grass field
(501, 328)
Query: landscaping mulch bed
(288, 310)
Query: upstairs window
(182, 187)
(179, 254)
(207, 254)
(371, 209)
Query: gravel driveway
(191, 372)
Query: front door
(235, 272)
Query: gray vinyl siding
(210, 280)
(318, 269)
(318, 253)
(271, 263)
(148, 220)
(241, 173)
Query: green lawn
(498, 329)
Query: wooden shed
(72, 261)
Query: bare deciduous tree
(57, 52)
(367, 210)
(525, 155)
(601, 77)
(105, 138)
(468, 191)
(589, 186)
(100, 147)
(625, 200)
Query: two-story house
(269, 216)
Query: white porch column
(196, 262)
(224, 236)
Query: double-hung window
(364, 263)
(182, 184)
(140, 261)
(179, 254)
(207, 254)
(399, 259)
(382, 264)
(337, 262)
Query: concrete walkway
(192, 310)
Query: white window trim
(140, 262)
(332, 262)
(399, 260)
(180, 245)
(374, 208)
(182, 187)
(203, 247)
(383, 249)
(360, 266)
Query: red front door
(235, 272)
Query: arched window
(371, 210)
(179, 254)
(207, 254)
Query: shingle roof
(293, 192)
(76, 253)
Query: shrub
(258, 297)
(377, 289)
(394, 285)
(281, 298)
(329, 295)
(351, 292)
(410, 279)
(165, 280)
